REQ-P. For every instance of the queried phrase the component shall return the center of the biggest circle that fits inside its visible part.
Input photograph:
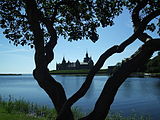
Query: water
(136, 95)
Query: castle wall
(87, 64)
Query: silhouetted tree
(153, 65)
(39, 23)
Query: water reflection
(157, 90)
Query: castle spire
(86, 54)
(63, 61)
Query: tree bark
(112, 85)
(115, 49)
(43, 56)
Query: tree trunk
(42, 58)
(115, 49)
(112, 85)
(54, 90)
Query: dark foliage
(39, 23)
(153, 66)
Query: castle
(86, 64)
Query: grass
(133, 116)
(23, 110)
(17, 116)
(13, 109)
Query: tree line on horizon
(152, 66)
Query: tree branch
(144, 37)
(86, 85)
(31, 11)
(137, 20)
(48, 49)
(140, 29)
(112, 85)
(52, 43)
(42, 57)
(115, 49)
(135, 14)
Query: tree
(39, 23)
(153, 65)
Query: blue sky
(21, 59)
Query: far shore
(76, 72)
(9, 74)
(85, 72)
(101, 72)
(141, 74)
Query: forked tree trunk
(41, 73)
(55, 90)
(112, 85)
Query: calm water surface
(136, 95)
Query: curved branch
(144, 37)
(135, 14)
(140, 29)
(52, 43)
(48, 49)
(112, 85)
(43, 55)
(136, 19)
(115, 49)
(86, 85)
(31, 10)
(49, 55)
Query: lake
(136, 95)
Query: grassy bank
(23, 110)
(13, 109)
(16, 116)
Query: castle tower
(86, 59)
(67, 65)
(63, 61)
(87, 55)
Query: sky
(21, 59)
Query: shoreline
(9, 74)
(145, 75)
(76, 72)
(85, 72)
(101, 72)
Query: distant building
(86, 64)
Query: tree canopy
(72, 19)
(39, 23)
(153, 65)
